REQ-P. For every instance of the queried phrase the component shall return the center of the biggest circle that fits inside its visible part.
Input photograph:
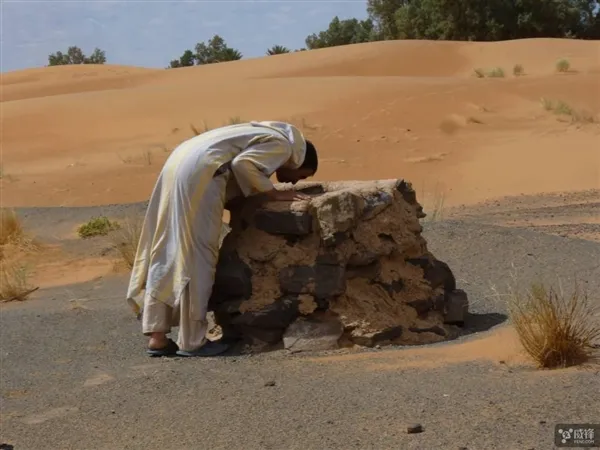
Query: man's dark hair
(311, 160)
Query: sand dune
(89, 135)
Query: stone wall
(347, 267)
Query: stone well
(347, 267)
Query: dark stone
(371, 339)
(322, 280)
(436, 272)
(435, 329)
(277, 315)
(407, 191)
(376, 203)
(422, 306)
(336, 238)
(233, 278)
(312, 190)
(439, 302)
(386, 238)
(414, 428)
(362, 259)
(283, 222)
(296, 279)
(394, 286)
(330, 280)
(322, 304)
(370, 271)
(328, 258)
(457, 307)
(313, 334)
(257, 335)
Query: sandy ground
(514, 191)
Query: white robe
(179, 242)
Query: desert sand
(518, 185)
(94, 135)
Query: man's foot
(169, 349)
(211, 348)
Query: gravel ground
(74, 374)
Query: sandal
(169, 350)
(211, 348)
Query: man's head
(307, 169)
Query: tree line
(454, 20)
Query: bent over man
(178, 249)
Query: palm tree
(277, 50)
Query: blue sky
(151, 33)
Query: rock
(322, 280)
(414, 428)
(277, 315)
(233, 278)
(422, 306)
(335, 213)
(375, 203)
(270, 384)
(284, 222)
(354, 252)
(436, 272)
(313, 335)
(297, 279)
(435, 329)
(371, 339)
(256, 336)
(457, 307)
(330, 280)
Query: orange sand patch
(72, 271)
(500, 347)
(50, 266)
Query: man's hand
(286, 196)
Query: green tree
(277, 50)
(383, 15)
(342, 32)
(75, 55)
(186, 60)
(493, 20)
(215, 51)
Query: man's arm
(252, 169)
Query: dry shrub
(555, 329)
(126, 239)
(14, 282)
(13, 235)
(11, 228)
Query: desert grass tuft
(126, 239)
(479, 73)
(14, 282)
(496, 72)
(433, 204)
(563, 65)
(556, 329)
(97, 226)
(518, 70)
(562, 108)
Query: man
(178, 249)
